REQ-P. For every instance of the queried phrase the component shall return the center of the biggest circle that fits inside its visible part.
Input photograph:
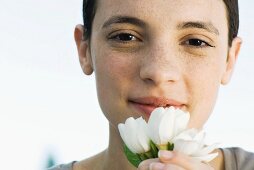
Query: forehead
(164, 13)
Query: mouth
(145, 105)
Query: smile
(145, 105)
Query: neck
(114, 157)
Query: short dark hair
(89, 9)
(233, 19)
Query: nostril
(148, 80)
(157, 74)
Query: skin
(162, 58)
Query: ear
(83, 50)
(231, 60)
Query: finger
(179, 159)
(157, 166)
(207, 166)
(145, 165)
(173, 167)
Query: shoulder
(92, 163)
(238, 158)
(82, 165)
(68, 166)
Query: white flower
(191, 142)
(164, 124)
(166, 130)
(134, 136)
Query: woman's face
(147, 54)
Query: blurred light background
(48, 109)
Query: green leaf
(154, 149)
(170, 146)
(136, 159)
(142, 156)
(149, 154)
(133, 158)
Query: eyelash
(192, 42)
(201, 43)
(121, 36)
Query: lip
(146, 105)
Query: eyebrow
(200, 25)
(124, 19)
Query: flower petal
(188, 134)
(128, 133)
(191, 142)
(206, 158)
(206, 150)
(166, 125)
(153, 124)
(181, 121)
(142, 134)
(121, 129)
(186, 147)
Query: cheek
(203, 83)
(113, 73)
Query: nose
(160, 66)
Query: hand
(170, 160)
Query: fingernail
(158, 166)
(165, 154)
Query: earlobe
(83, 50)
(231, 60)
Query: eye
(197, 43)
(124, 37)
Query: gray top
(63, 166)
(235, 159)
(238, 159)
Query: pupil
(195, 42)
(125, 37)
